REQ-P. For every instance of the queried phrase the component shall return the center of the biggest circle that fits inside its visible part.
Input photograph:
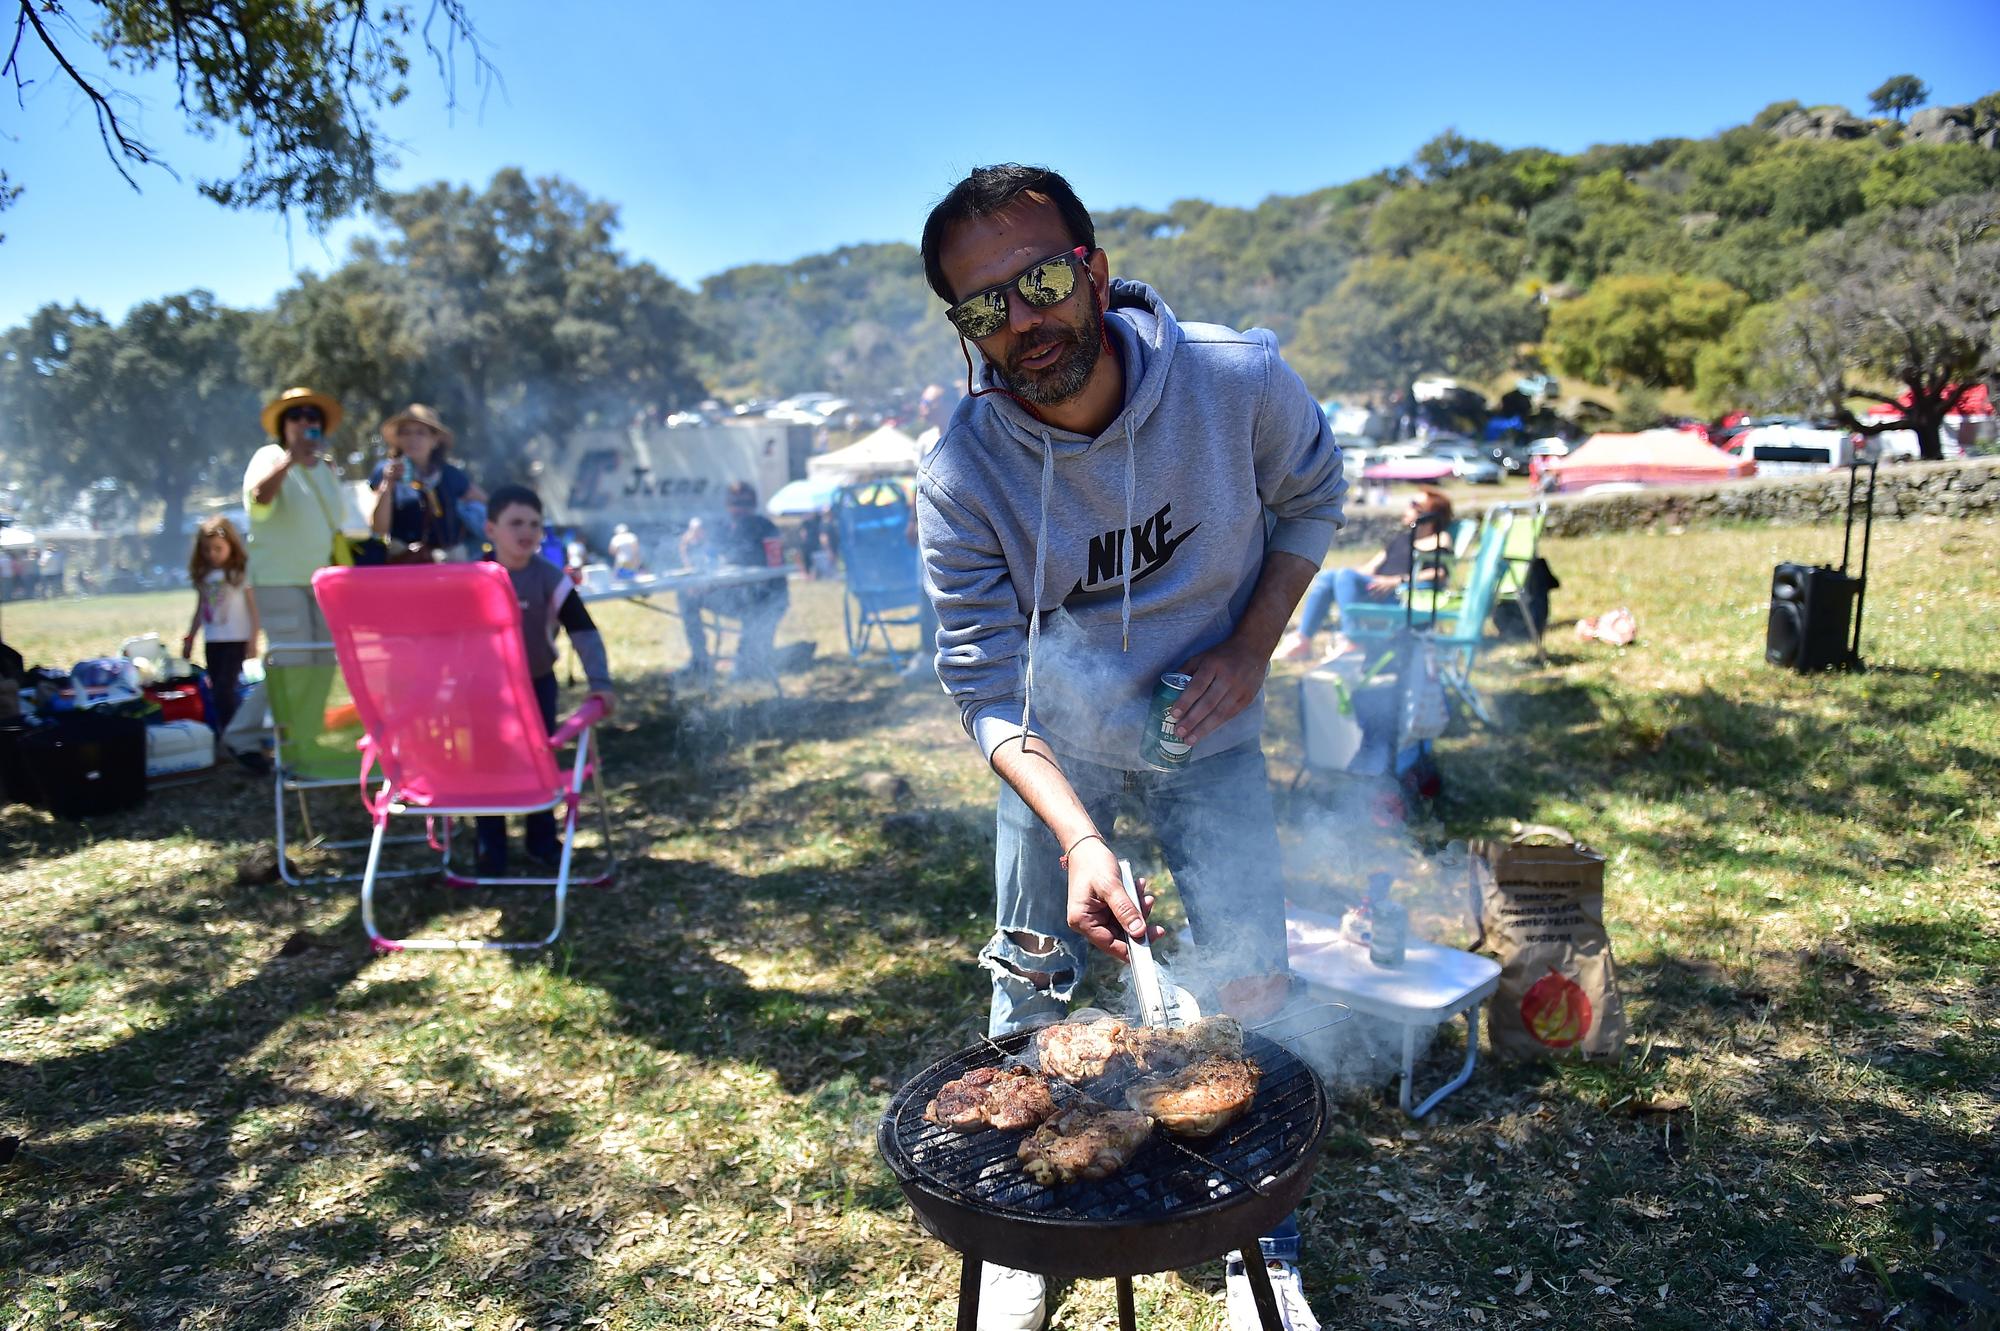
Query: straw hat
(275, 409)
(420, 414)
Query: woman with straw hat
(295, 502)
(417, 492)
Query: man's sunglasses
(1045, 282)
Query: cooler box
(173, 747)
(87, 763)
(179, 701)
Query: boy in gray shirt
(548, 600)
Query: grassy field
(226, 1112)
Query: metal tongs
(1145, 973)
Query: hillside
(1453, 262)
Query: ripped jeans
(1217, 833)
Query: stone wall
(1961, 488)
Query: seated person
(417, 492)
(626, 561)
(1426, 532)
(548, 601)
(741, 538)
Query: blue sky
(759, 132)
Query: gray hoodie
(1140, 547)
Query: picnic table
(642, 589)
(648, 585)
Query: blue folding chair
(884, 588)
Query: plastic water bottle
(1389, 943)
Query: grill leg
(1260, 1288)
(1127, 1317)
(968, 1293)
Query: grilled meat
(1163, 1049)
(1088, 1141)
(1200, 1098)
(1004, 1098)
(1077, 1051)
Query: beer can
(1163, 749)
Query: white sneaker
(1294, 646)
(1011, 1300)
(1294, 1314)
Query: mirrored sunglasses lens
(981, 316)
(1048, 283)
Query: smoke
(1331, 847)
(1075, 683)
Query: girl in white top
(225, 611)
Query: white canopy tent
(17, 538)
(886, 452)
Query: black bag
(1532, 601)
(85, 763)
(16, 781)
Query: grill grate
(1169, 1177)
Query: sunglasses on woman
(1045, 282)
(310, 415)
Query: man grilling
(1121, 497)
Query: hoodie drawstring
(1125, 537)
(1041, 562)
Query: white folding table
(1433, 985)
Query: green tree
(1451, 154)
(156, 404)
(1393, 320)
(510, 309)
(1641, 329)
(1638, 409)
(1919, 174)
(300, 85)
(1898, 95)
(1909, 301)
(1737, 372)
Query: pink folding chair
(433, 659)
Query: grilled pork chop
(1200, 1098)
(1088, 1141)
(1080, 1050)
(1164, 1049)
(1004, 1098)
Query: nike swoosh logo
(1166, 552)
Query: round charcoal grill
(1178, 1202)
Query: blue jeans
(757, 613)
(1336, 586)
(1217, 833)
(543, 843)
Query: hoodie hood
(1126, 553)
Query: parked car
(1468, 462)
(1511, 455)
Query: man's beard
(1065, 378)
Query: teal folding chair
(1455, 631)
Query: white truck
(655, 480)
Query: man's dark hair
(992, 189)
(507, 496)
(740, 492)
